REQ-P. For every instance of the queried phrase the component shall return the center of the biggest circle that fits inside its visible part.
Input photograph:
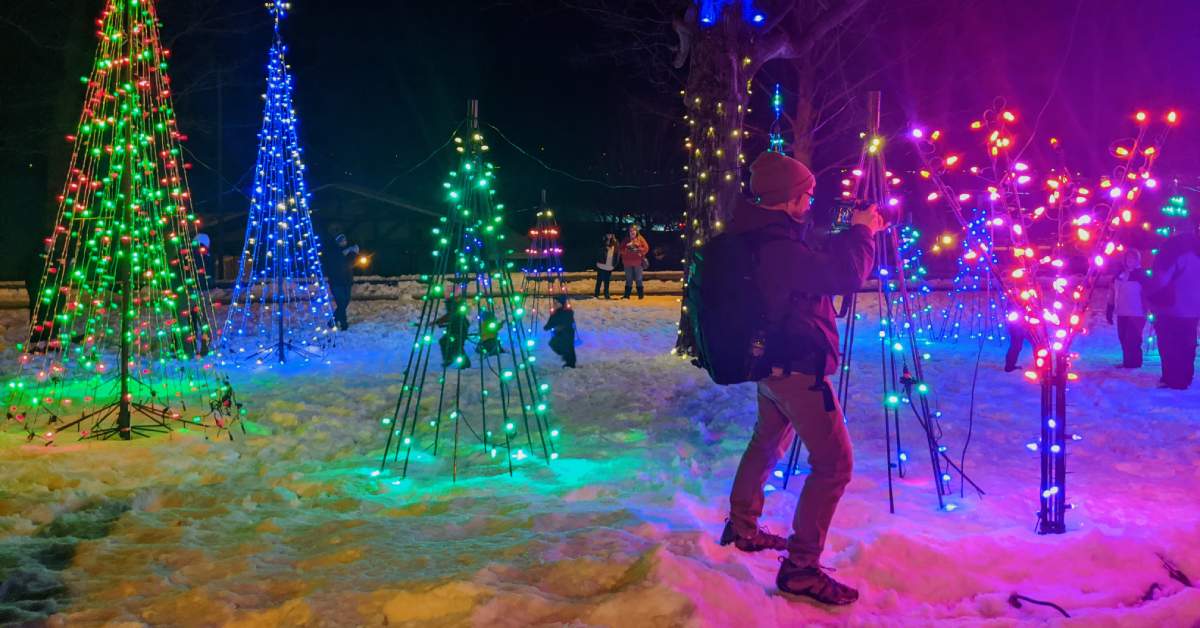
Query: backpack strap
(821, 384)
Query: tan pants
(787, 407)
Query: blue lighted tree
(280, 303)
(977, 304)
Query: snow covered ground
(287, 526)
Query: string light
(977, 305)
(280, 303)
(471, 316)
(543, 272)
(121, 328)
(1045, 298)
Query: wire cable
(449, 141)
(538, 160)
(1015, 601)
(962, 459)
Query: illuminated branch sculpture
(1045, 297)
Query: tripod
(901, 362)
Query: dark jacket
(339, 263)
(1173, 289)
(562, 324)
(798, 280)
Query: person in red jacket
(633, 257)
(797, 282)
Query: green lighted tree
(487, 403)
(119, 338)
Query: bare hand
(868, 218)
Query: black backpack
(725, 308)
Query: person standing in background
(204, 265)
(1126, 304)
(339, 270)
(606, 264)
(1173, 291)
(633, 257)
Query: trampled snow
(286, 525)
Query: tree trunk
(805, 117)
(715, 100)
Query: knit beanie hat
(776, 178)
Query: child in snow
(1128, 304)
(457, 323)
(489, 334)
(562, 324)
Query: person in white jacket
(1127, 303)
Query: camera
(843, 211)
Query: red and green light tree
(120, 334)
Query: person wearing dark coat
(457, 321)
(562, 326)
(1017, 337)
(1173, 290)
(797, 281)
(205, 271)
(606, 264)
(339, 271)
(489, 334)
(34, 267)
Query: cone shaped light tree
(120, 333)
(281, 304)
(484, 402)
(977, 307)
(543, 277)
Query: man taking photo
(796, 281)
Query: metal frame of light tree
(1054, 314)
(902, 371)
(542, 278)
(910, 253)
(491, 407)
(281, 303)
(119, 337)
(977, 306)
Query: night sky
(380, 85)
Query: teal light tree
(280, 304)
(120, 337)
(917, 276)
(483, 403)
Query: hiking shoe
(762, 540)
(812, 582)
